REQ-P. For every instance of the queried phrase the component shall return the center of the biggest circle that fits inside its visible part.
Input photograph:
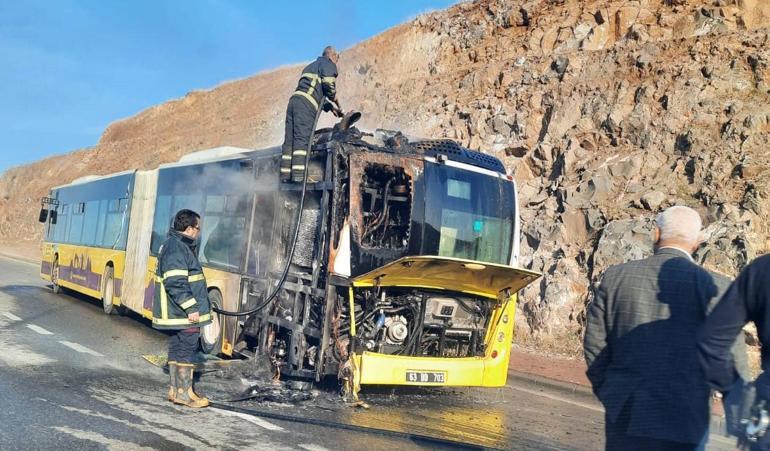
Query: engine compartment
(411, 322)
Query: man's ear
(656, 235)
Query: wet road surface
(74, 378)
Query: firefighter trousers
(183, 345)
(300, 124)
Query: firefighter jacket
(180, 286)
(318, 80)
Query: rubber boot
(172, 380)
(184, 391)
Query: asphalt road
(73, 378)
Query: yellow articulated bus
(403, 267)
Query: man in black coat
(317, 88)
(748, 299)
(640, 341)
(181, 304)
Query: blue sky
(68, 68)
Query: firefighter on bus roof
(316, 89)
(181, 304)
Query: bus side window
(90, 222)
(114, 219)
(61, 225)
(75, 229)
(102, 222)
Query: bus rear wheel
(108, 291)
(211, 334)
(56, 288)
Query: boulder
(653, 200)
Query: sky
(68, 68)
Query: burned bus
(395, 263)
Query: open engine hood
(446, 273)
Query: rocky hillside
(606, 112)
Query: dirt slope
(606, 111)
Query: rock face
(605, 112)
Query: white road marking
(39, 329)
(11, 316)
(251, 419)
(312, 447)
(80, 348)
(559, 398)
(17, 259)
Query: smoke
(223, 192)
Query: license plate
(426, 377)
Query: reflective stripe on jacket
(318, 80)
(180, 286)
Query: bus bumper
(381, 369)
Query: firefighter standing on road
(316, 89)
(181, 304)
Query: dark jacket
(640, 344)
(318, 80)
(748, 299)
(180, 286)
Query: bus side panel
(46, 260)
(82, 269)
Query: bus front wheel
(211, 334)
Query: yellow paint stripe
(196, 278)
(300, 152)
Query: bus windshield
(468, 215)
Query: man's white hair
(680, 223)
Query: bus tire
(108, 291)
(56, 288)
(211, 334)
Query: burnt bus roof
(395, 142)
